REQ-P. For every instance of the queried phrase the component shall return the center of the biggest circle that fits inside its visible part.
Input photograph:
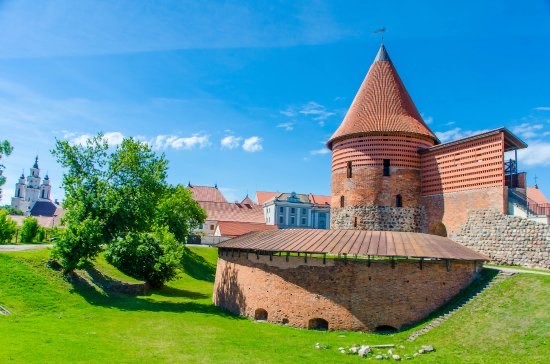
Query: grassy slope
(54, 322)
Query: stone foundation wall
(411, 219)
(350, 295)
(507, 239)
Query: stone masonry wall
(412, 219)
(349, 295)
(507, 239)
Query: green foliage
(79, 243)
(40, 234)
(152, 257)
(12, 210)
(121, 197)
(29, 229)
(179, 212)
(5, 149)
(8, 227)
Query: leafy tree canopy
(8, 227)
(115, 195)
(5, 149)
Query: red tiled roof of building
(264, 196)
(207, 193)
(235, 228)
(225, 211)
(536, 195)
(382, 104)
(247, 200)
(320, 199)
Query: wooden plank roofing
(353, 243)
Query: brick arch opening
(317, 324)
(260, 314)
(385, 329)
(438, 229)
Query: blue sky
(245, 94)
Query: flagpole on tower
(382, 32)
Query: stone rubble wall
(410, 219)
(506, 239)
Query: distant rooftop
(206, 193)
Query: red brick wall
(470, 165)
(368, 186)
(452, 208)
(352, 296)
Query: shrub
(29, 229)
(152, 257)
(8, 227)
(40, 234)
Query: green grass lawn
(54, 321)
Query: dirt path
(514, 270)
(22, 247)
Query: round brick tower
(375, 158)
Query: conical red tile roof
(382, 104)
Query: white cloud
(230, 142)
(316, 110)
(112, 138)
(176, 142)
(427, 119)
(528, 130)
(310, 109)
(321, 151)
(456, 133)
(537, 154)
(543, 108)
(286, 126)
(252, 144)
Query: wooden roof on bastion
(353, 243)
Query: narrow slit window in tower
(348, 170)
(398, 201)
(341, 201)
(386, 167)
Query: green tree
(178, 211)
(29, 229)
(113, 197)
(151, 256)
(12, 210)
(5, 149)
(8, 227)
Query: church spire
(382, 55)
(35, 162)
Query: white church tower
(29, 192)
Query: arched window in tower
(398, 201)
(386, 167)
(341, 201)
(348, 170)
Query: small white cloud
(543, 108)
(537, 154)
(289, 111)
(321, 151)
(230, 142)
(317, 111)
(528, 130)
(252, 144)
(427, 119)
(175, 142)
(286, 126)
(450, 123)
(310, 109)
(112, 138)
(456, 133)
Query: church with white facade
(32, 196)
